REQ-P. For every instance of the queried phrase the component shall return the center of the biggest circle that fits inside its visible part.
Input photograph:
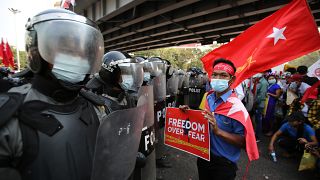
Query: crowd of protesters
(287, 109)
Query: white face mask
(70, 68)
(272, 81)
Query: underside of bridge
(149, 24)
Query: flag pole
(16, 11)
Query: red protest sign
(188, 132)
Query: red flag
(10, 58)
(4, 54)
(233, 108)
(311, 92)
(1, 51)
(66, 3)
(285, 35)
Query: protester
(311, 99)
(227, 135)
(295, 133)
(261, 94)
(273, 94)
(297, 85)
(303, 70)
(315, 151)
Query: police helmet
(120, 68)
(70, 46)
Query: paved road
(184, 167)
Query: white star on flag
(277, 34)
(235, 108)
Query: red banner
(188, 132)
(283, 36)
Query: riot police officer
(118, 81)
(53, 135)
(194, 87)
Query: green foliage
(22, 55)
(185, 58)
(182, 58)
(306, 60)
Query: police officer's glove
(140, 160)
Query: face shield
(155, 68)
(181, 76)
(172, 84)
(75, 49)
(132, 76)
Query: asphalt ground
(184, 166)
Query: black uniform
(47, 130)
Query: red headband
(224, 67)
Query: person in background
(239, 91)
(296, 134)
(261, 94)
(315, 151)
(311, 99)
(297, 85)
(273, 94)
(303, 70)
(291, 70)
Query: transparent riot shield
(172, 84)
(159, 90)
(181, 77)
(117, 143)
(193, 92)
(147, 143)
(172, 90)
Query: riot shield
(193, 92)
(180, 98)
(159, 90)
(172, 84)
(146, 147)
(172, 90)
(117, 143)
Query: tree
(306, 60)
(22, 55)
(182, 58)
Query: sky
(28, 9)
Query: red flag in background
(10, 58)
(66, 3)
(1, 51)
(285, 35)
(4, 54)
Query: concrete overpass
(134, 25)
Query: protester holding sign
(230, 126)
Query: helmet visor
(132, 75)
(74, 43)
(155, 68)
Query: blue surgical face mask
(293, 86)
(219, 85)
(127, 82)
(146, 76)
(272, 81)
